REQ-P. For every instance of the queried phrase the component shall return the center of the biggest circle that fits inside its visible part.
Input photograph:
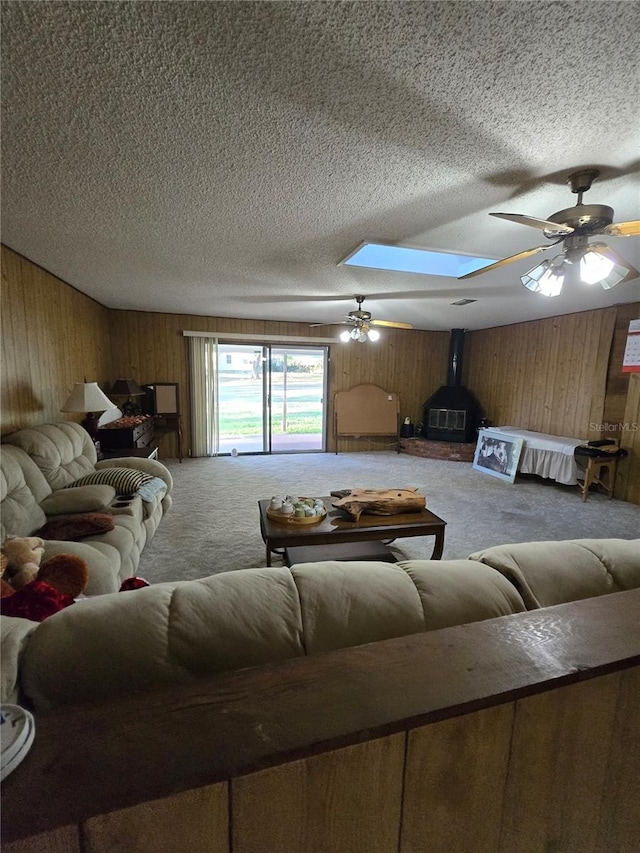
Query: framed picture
(497, 453)
(162, 398)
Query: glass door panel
(241, 409)
(298, 392)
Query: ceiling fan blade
(623, 229)
(551, 228)
(519, 257)
(390, 324)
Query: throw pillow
(81, 499)
(126, 481)
(77, 527)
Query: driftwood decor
(380, 502)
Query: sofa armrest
(15, 636)
(78, 499)
(147, 466)
(102, 568)
(549, 573)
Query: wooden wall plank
(617, 381)
(627, 486)
(619, 828)
(198, 818)
(53, 336)
(558, 767)
(545, 375)
(346, 801)
(454, 783)
(63, 840)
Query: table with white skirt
(549, 456)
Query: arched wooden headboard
(365, 410)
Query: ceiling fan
(590, 263)
(361, 322)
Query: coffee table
(335, 528)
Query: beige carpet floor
(214, 527)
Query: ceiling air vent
(464, 301)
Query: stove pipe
(456, 349)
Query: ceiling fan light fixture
(594, 267)
(601, 265)
(373, 335)
(345, 336)
(547, 278)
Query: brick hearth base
(451, 450)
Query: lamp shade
(126, 388)
(87, 397)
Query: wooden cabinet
(127, 432)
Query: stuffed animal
(23, 559)
(55, 585)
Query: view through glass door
(271, 399)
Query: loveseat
(51, 483)
(173, 634)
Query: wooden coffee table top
(335, 527)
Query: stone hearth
(451, 450)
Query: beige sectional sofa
(38, 468)
(173, 634)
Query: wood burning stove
(452, 413)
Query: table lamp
(88, 398)
(127, 388)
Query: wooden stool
(593, 473)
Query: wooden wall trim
(88, 761)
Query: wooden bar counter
(514, 734)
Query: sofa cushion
(458, 591)
(163, 635)
(80, 499)
(235, 619)
(347, 604)
(125, 481)
(63, 452)
(22, 487)
(548, 573)
(77, 526)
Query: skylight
(378, 256)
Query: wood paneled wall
(627, 486)
(617, 381)
(52, 337)
(151, 348)
(545, 375)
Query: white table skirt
(550, 456)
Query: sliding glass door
(297, 399)
(270, 399)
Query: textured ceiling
(220, 158)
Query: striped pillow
(126, 481)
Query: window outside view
(297, 399)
